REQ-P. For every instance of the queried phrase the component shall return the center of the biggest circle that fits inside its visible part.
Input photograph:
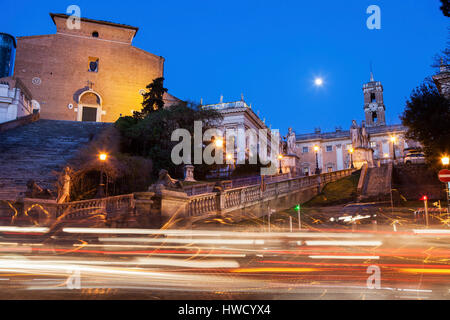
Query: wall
(55, 69)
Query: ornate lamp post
(316, 150)
(101, 187)
(351, 150)
(279, 160)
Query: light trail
(186, 241)
(341, 243)
(346, 257)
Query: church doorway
(90, 107)
(89, 114)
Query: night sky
(271, 51)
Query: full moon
(318, 82)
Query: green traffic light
(297, 207)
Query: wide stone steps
(38, 150)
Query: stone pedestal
(158, 208)
(290, 163)
(189, 173)
(363, 156)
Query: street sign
(444, 175)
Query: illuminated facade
(93, 73)
(334, 147)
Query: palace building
(92, 73)
(331, 151)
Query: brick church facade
(93, 73)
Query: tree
(150, 136)
(153, 99)
(445, 7)
(427, 117)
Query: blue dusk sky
(271, 51)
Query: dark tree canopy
(150, 136)
(445, 7)
(153, 99)
(427, 117)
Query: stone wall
(55, 68)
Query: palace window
(329, 148)
(373, 144)
(305, 149)
(93, 64)
(306, 171)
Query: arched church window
(372, 97)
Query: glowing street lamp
(316, 150)
(219, 143)
(280, 156)
(101, 187)
(445, 160)
(393, 139)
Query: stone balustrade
(241, 197)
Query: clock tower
(374, 108)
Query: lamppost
(316, 150)
(393, 138)
(280, 156)
(351, 150)
(101, 187)
(445, 161)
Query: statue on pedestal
(291, 147)
(361, 145)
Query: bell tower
(374, 108)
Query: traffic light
(297, 207)
(424, 198)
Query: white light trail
(24, 229)
(186, 241)
(346, 257)
(342, 243)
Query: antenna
(371, 72)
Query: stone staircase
(377, 182)
(38, 150)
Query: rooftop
(346, 133)
(63, 15)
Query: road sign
(444, 175)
